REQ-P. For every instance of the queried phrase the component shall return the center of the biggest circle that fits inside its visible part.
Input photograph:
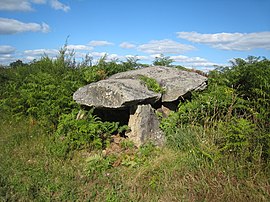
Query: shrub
(163, 61)
(84, 133)
(42, 90)
(88, 132)
(104, 69)
(241, 138)
(218, 103)
(233, 111)
(251, 80)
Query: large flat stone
(176, 82)
(115, 93)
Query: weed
(152, 84)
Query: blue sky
(195, 33)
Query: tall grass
(29, 171)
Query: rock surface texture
(115, 93)
(176, 82)
(126, 90)
(144, 126)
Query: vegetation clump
(152, 84)
(217, 142)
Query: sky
(197, 34)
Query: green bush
(104, 69)
(233, 113)
(88, 132)
(163, 61)
(240, 137)
(42, 90)
(251, 80)
(218, 103)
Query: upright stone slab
(144, 126)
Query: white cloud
(230, 41)
(127, 45)
(26, 5)
(140, 57)
(98, 54)
(39, 1)
(57, 5)
(79, 47)
(12, 26)
(164, 46)
(185, 59)
(100, 43)
(79, 53)
(30, 58)
(102, 54)
(5, 50)
(6, 59)
(189, 62)
(15, 5)
(114, 56)
(41, 52)
(194, 62)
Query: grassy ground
(31, 171)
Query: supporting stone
(144, 126)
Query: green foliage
(97, 164)
(131, 62)
(88, 132)
(222, 135)
(251, 80)
(152, 84)
(242, 138)
(28, 172)
(233, 113)
(104, 69)
(17, 63)
(181, 138)
(163, 61)
(93, 74)
(36, 174)
(238, 136)
(42, 91)
(218, 103)
(127, 144)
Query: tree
(17, 63)
(163, 61)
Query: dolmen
(128, 96)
